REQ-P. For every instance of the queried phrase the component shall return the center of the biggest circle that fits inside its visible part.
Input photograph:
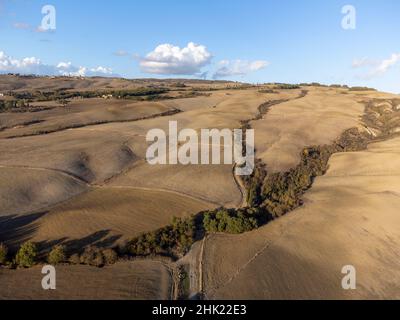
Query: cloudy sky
(253, 41)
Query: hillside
(74, 172)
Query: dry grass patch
(122, 281)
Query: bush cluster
(281, 192)
(174, 239)
(110, 256)
(230, 221)
(312, 84)
(27, 256)
(92, 256)
(74, 259)
(254, 184)
(63, 94)
(9, 105)
(339, 86)
(362, 89)
(286, 86)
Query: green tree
(57, 255)
(26, 255)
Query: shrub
(362, 89)
(98, 260)
(3, 253)
(317, 84)
(92, 256)
(110, 256)
(254, 183)
(230, 221)
(26, 255)
(183, 232)
(173, 239)
(286, 86)
(56, 255)
(75, 259)
(180, 85)
(183, 284)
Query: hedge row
(28, 255)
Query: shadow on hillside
(15, 229)
(100, 239)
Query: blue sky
(255, 41)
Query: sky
(256, 41)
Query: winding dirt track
(241, 187)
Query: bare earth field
(114, 214)
(316, 119)
(138, 280)
(76, 174)
(78, 113)
(25, 190)
(89, 156)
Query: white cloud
(100, 69)
(121, 53)
(378, 68)
(67, 69)
(21, 25)
(40, 29)
(33, 65)
(30, 65)
(28, 27)
(238, 68)
(169, 59)
(64, 65)
(363, 62)
(386, 64)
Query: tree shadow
(16, 229)
(100, 239)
